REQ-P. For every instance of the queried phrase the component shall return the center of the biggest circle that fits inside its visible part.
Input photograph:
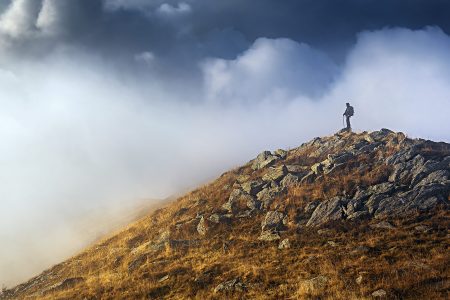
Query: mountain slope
(350, 216)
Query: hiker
(349, 112)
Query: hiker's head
(348, 104)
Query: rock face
(329, 210)
(230, 286)
(272, 221)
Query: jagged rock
(253, 187)
(234, 285)
(308, 178)
(239, 200)
(340, 158)
(289, 180)
(317, 168)
(281, 153)
(263, 160)
(439, 177)
(310, 207)
(245, 214)
(382, 225)
(381, 134)
(201, 227)
(314, 285)
(297, 169)
(272, 220)
(275, 174)
(374, 201)
(269, 236)
(326, 211)
(420, 199)
(359, 215)
(242, 178)
(406, 169)
(266, 196)
(284, 244)
(379, 293)
(422, 171)
(422, 228)
(218, 218)
(334, 168)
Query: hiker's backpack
(351, 111)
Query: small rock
(272, 220)
(382, 225)
(164, 278)
(269, 236)
(281, 153)
(201, 227)
(379, 293)
(253, 187)
(422, 228)
(310, 207)
(289, 180)
(284, 244)
(323, 231)
(231, 286)
(332, 244)
(361, 277)
(317, 168)
(315, 284)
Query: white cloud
(19, 18)
(400, 79)
(170, 10)
(271, 68)
(145, 57)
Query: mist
(87, 134)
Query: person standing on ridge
(349, 112)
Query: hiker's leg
(348, 122)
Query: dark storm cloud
(184, 31)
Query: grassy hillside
(271, 230)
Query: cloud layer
(143, 99)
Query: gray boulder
(439, 177)
(326, 211)
(239, 200)
(269, 236)
(289, 180)
(272, 221)
(281, 153)
(263, 160)
(314, 285)
(284, 244)
(235, 285)
(275, 174)
(253, 187)
(201, 227)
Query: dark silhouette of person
(349, 112)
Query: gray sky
(105, 103)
